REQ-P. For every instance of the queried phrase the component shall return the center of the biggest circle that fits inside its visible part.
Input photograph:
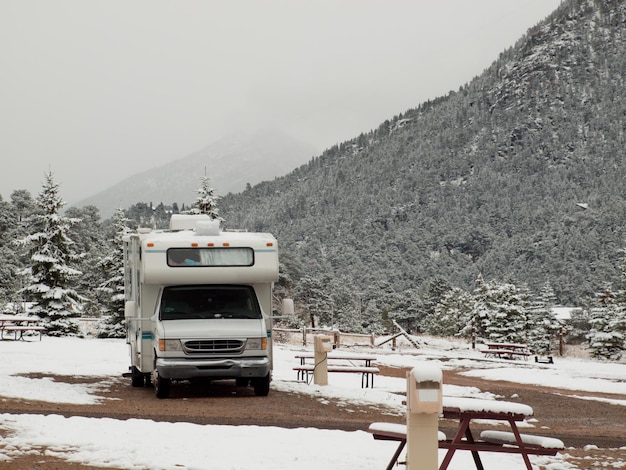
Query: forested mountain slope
(518, 175)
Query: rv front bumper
(181, 368)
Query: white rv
(199, 304)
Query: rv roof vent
(186, 221)
(208, 227)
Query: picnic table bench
(348, 363)
(19, 324)
(465, 410)
(506, 350)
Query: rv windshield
(208, 301)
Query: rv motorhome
(199, 304)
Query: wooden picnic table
(350, 364)
(506, 350)
(343, 356)
(19, 324)
(466, 410)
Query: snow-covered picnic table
(19, 324)
(342, 362)
(506, 350)
(465, 410)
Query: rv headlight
(256, 343)
(170, 345)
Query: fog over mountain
(231, 163)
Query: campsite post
(424, 404)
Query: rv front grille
(214, 346)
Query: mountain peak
(230, 162)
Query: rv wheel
(261, 386)
(137, 379)
(161, 386)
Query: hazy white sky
(98, 90)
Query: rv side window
(208, 301)
(210, 257)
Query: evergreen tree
(608, 325)
(437, 288)
(112, 265)
(314, 300)
(51, 268)
(345, 311)
(89, 242)
(502, 314)
(206, 202)
(543, 326)
(451, 314)
(406, 310)
(9, 266)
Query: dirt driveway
(578, 423)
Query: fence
(304, 336)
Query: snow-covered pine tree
(206, 202)
(608, 325)
(502, 313)
(112, 265)
(543, 327)
(311, 294)
(10, 262)
(451, 314)
(51, 270)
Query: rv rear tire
(137, 379)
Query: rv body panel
(164, 269)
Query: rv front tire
(261, 386)
(161, 386)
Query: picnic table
(19, 324)
(506, 350)
(465, 411)
(347, 363)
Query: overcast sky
(98, 90)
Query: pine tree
(9, 265)
(451, 314)
(206, 202)
(89, 242)
(51, 268)
(313, 298)
(112, 265)
(543, 326)
(608, 325)
(502, 313)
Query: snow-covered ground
(146, 444)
